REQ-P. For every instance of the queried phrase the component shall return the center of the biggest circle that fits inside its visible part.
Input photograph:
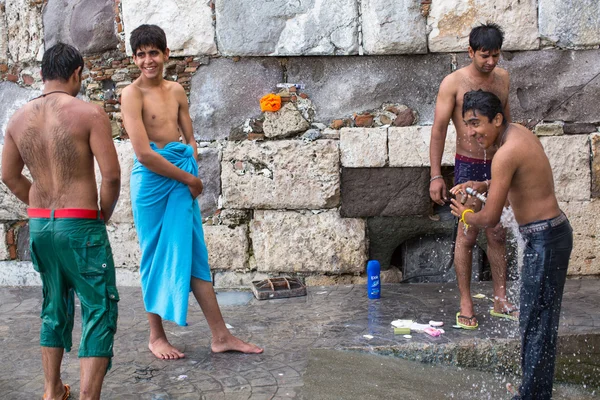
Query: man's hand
(457, 208)
(437, 191)
(461, 188)
(196, 188)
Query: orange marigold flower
(270, 102)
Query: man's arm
(184, 120)
(503, 169)
(12, 169)
(444, 107)
(131, 108)
(103, 149)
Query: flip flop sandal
(505, 315)
(465, 326)
(65, 396)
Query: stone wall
(340, 173)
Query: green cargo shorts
(74, 255)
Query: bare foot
(163, 350)
(503, 306)
(231, 343)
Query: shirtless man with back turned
(57, 137)
(164, 188)
(522, 173)
(472, 163)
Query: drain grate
(278, 288)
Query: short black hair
(486, 37)
(486, 103)
(148, 35)
(60, 61)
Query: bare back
(52, 135)
(522, 165)
(463, 82)
(160, 111)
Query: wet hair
(486, 37)
(486, 103)
(60, 61)
(148, 35)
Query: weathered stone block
(341, 86)
(287, 28)
(409, 146)
(451, 22)
(562, 22)
(25, 32)
(3, 37)
(369, 192)
(573, 94)
(87, 25)
(237, 279)
(3, 249)
(570, 160)
(125, 245)
(19, 273)
(595, 147)
(393, 27)
(285, 122)
(209, 171)
(286, 174)
(23, 249)
(225, 93)
(288, 241)
(227, 247)
(12, 97)
(187, 24)
(363, 147)
(333, 280)
(549, 129)
(586, 241)
(122, 212)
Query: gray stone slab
(23, 250)
(386, 192)
(569, 23)
(12, 97)
(341, 86)
(87, 25)
(209, 171)
(393, 27)
(225, 93)
(303, 27)
(188, 25)
(554, 85)
(331, 317)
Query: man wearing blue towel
(164, 188)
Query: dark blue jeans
(543, 278)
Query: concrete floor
(315, 347)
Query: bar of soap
(436, 324)
(401, 331)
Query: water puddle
(236, 298)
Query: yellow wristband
(462, 217)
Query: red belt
(64, 213)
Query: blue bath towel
(169, 228)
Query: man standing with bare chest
(57, 137)
(164, 188)
(472, 163)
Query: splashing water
(507, 219)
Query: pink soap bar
(432, 332)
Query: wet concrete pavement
(305, 339)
